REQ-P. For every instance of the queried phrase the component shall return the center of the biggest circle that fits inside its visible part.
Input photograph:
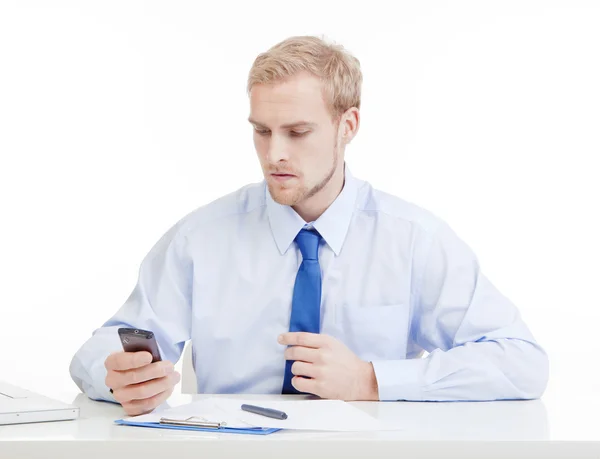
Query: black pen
(268, 412)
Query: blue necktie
(306, 301)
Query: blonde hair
(337, 68)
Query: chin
(286, 196)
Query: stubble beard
(303, 193)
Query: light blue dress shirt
(396, 281)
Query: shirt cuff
(400, 379)
(101, 390)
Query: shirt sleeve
(479, 347)
(160, 302)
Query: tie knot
(308, 243)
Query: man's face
(295, 137)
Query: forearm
(502, 369)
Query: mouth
(283, 177)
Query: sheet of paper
(324, 415)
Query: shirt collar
(332, 224)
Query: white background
(117, 118)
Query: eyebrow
(288, 125)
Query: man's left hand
(335, 372)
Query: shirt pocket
(374, 332)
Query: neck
(312, 208)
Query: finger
(306, 385)
(137, 407)
(127, 360)
(306, 354)
(314, 340)
(147, 389)
(118, 379)
(304, 369)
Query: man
(312, 281)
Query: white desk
(490, 429)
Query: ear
(350, 122)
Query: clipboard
(198, 424)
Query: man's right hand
(138, 385)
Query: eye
(261, 132)
(298, 134)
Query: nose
(277, 150)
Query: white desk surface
(446, 430)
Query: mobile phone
(136, 339)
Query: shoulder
(375, 203)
